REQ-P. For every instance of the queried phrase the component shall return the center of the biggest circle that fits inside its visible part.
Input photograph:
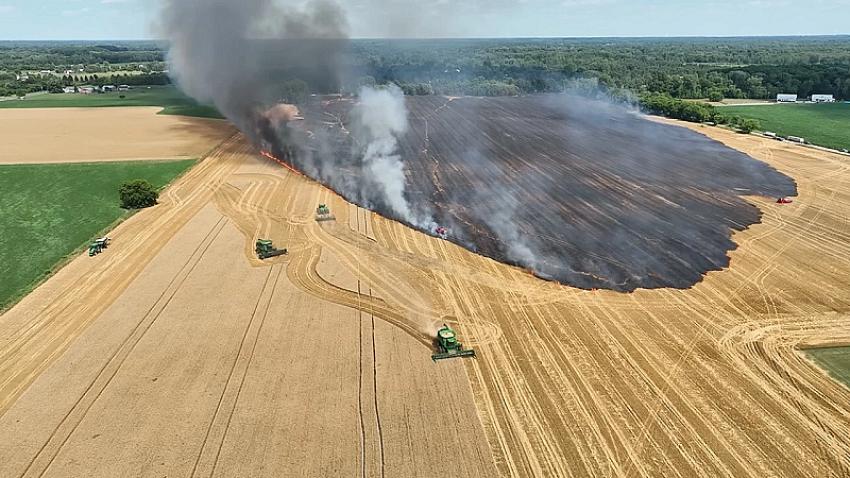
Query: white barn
(823, 98)
(786, 98)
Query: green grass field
(835, 360)
(47, 211)
(823, 124)
(172, 100)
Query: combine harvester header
(448, 345)
(98, 246)
(265, 249)
(323, 213)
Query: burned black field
(587, 193)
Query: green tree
(715, 96)
(675, 108)
(748, 125)
(137, 194)
(733, 120)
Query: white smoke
(497, 207)
(502, 219)
(381, 117)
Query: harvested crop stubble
(222, 364)
(299, 366)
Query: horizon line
(544, 37)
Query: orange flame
(281, 162)
(286, 165)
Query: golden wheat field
(67, 135)
(178, 353)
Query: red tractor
(784, 200)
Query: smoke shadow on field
(209, 129)
(584, 192)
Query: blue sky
(133, 19)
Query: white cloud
(6, 9)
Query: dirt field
(739, 101)
(178, 353)
(58, 135)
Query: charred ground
(584, 192)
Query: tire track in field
(767, 354)
(371, 440)
(46, 455)
(372, 359)
(255, 198)
(302, 272)
(703, 405)
(216, 434)
(49, 332)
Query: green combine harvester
(448, 345)
(265, 249)
(98, 246)
(323, 213)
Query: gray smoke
(498, 209)
(503, 222)
(244, 55)
(253, 59)
(378, 120)
(249, 59)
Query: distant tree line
(695, 112)
(102, 64)
(711, 68)
(681, 68)
(9, 86)
(18, 56)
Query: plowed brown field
(67, 135)
(178, 353)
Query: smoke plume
(253, 57)
(379, 118)
(244, 55)
(581, 191)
